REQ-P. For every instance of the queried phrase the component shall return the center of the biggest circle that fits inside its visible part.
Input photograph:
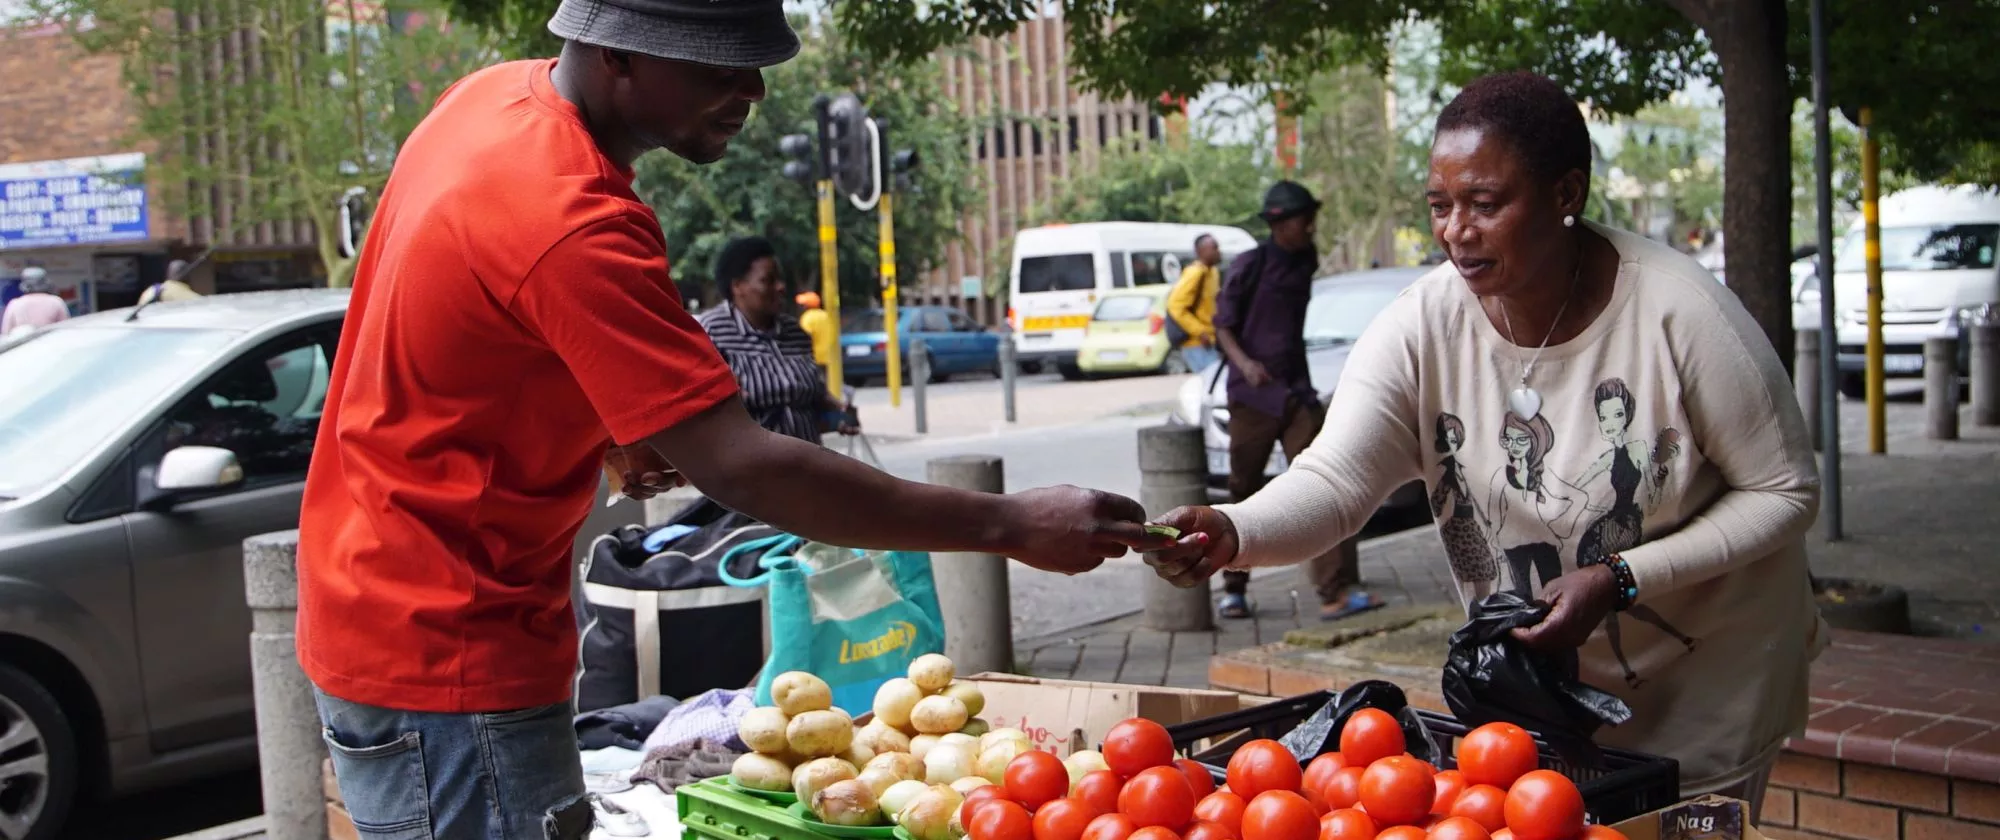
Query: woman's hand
(1207, 543)
(1578, 603)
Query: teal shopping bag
(855, 618)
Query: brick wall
(1814, 797)
(58, 102)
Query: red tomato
(1543, 805)
(999, 819)
(1370, 734)
(1602, 832)
(1280, 815)
(1109, 827)
(1484, 804)
(1344, 789)
(1137, 744)
(1222, 807)
(978, 795)
(1450, 784)
(1035, 777)
(1503, 834)
(1099, 788)
(1158, 796)
(1263, 765)
(1155, 833)
(1398, 790)
(1496, 754)
(1205, 830)
(1450, 828)
(1063, 819)
(1401, 832)
(1313, 783)
(1198, 777)
(1346, 824)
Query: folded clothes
(622, 726)
(684, 764)
(711, 715)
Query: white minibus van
(1060, 271)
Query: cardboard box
(1064, 716)
(1702, 818)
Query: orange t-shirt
(511, 312)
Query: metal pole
(1985, 372)
(1806, 379)
(972, 589)
(1829, 340)
(920, 374)
(1009, 369)
(1173, 471)
(890, 320)
(1871, 250)
(290, 753)
(1941, 387)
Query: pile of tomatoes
(1372, 789)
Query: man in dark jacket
(1260, 323)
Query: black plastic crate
(1627, 785)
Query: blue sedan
(954, 342)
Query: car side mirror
(198, 468)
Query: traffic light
(850, 146)
(799, 148)
(904, 165)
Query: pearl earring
(1569, 221)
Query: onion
(899, 796)
(847, 803)
(947, 763)
(815, 775)
(929, 816)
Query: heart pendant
(1525, 402)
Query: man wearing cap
(1260, 320)
(513, 332)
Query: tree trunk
(1749, 41)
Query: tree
(1200, 182)
(703, 206)
(280, 106)
(1666, 158)
(1620, 55)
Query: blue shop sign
(79, 201)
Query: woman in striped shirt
(772, 356)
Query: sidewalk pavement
(1922, 517)
(961, 409)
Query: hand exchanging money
(1207, 542)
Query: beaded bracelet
(1628, 585)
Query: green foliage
(306, 107)
(1670, 154)
(520, 28)
(1198, 182)
(703, 206)
(1845, 143)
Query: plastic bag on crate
(1488, 676)
(1321, 733)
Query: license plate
(857, 350)
(1111, 356)
(1904, 363)
(1055, 322)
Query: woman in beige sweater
(1602, 426)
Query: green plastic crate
(708, 808)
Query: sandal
(1233, 606)
(1358, 602)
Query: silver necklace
(1524, 401)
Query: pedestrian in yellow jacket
(1192, 303)
(819, 325)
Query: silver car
(136, 454)
(1342, 306)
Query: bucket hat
(719, 33)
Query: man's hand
(1254, 373)
(1578, 603)
(641, 470)
(1072, 530)
(1207, 543)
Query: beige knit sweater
(1669, 434)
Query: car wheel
(1070, 371)
(1853, 386)
(855, 381)
(38, 759)
(1173, 364)
(1031, 368)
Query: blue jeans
(435, 776)
(1199, 357)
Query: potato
(797, 692)
(882, 738)
(760, 772)
(976, 727)
(930, 814)
(937, 715)
(902, 765)
(921, 745)
(947, 763)
(969, 694)
(846, 803)
(763, 729)
(819, 734)
(894, 700)
(813, 776)
(857, 754)
(970, 742)
(899, 796)
(931, 672)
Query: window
(1153, 268)
(934, 321)
(860, 321)
(1940, 248)
(1059, 273)
(1339, 315)
(1035, 135)
(1121, 275)
(1073, 131)
(961, 323)
(265, 407)
(1000, 141)
(1124, 308)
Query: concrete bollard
(290, 752)
(920, 375)
(1173, 471)
(1941, 387)
(972, 589)
(1806, 380)
(1009, 370)
(1985, 373)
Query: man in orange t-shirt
(512, 328)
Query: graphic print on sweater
(1534, 511)
(1462, 525)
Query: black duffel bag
(663, 622)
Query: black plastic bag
(1488, 676)
(1320, 733)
